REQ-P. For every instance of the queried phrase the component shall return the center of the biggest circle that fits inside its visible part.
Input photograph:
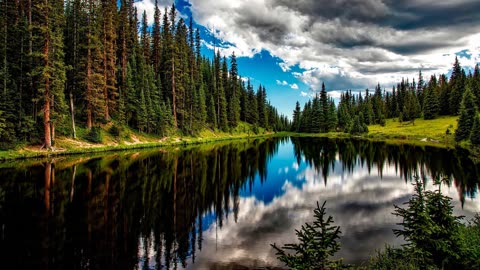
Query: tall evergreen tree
(156, 37)
(50, 70)
(296, 118)
(431, 103)
(475, 133)
(468, 112)
(475, 84)
(457, 86)
(324, 109)
(234, 102)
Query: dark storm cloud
(354, 20)
(349, 44)
(267, 28)
(359, 10)
(407, 15)
(416, 47)
(402, 15)
(369, 69)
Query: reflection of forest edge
(110, 212)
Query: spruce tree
(156, 39)
(324, 108)
(316, 118)
(468, 112)
(212, 113)
(457, 87)
(296, 118)
(234, 102)
(109, 36)
(475, 84)
(475, 133)
(331, 116)
(431, 103)
(318, 243)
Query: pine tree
(212, 112)
(344, 111)
(222, 119)
(109, 36)
(411, 107)
(297, 114)
(317, 119)
(51, 68)
(262, 110)
(468, 112)
(429, 228)
(420, 88)
(318, 243)
(430, 105)
(234, 102)
(378, 106)
(457, 86)
(94, 80)
(156, 37)
(201, 106)
(444, 95)
(324, 108)
(475, 84)
(475, 133)
(251, 108)
(331, 116)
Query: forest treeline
(458, 95)
(86, 62)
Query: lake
(214, 206)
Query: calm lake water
(216, 206)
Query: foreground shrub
(318, 243)
(94, 135)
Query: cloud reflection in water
(360, 201)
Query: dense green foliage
(468, 113)
(99, 59)
(318, 242)
(430, 229)
(406, 101)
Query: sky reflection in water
(360, 200)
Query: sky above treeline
(291, 47)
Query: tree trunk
(72, 113)
(174, 99)
(105, 71)
(46, 106)
(30, 53)
(89, 84)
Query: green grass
(422, 133)
(433, 132)
(67, 146)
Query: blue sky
(291, 47)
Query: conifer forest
(426, 98)
(88, 62)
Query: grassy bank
(126, 140)
(422, 132)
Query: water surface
(214, 206)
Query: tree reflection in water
(149, 209)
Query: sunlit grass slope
(427, 130)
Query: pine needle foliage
(318, 242)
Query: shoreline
(25, 153)
(425, 133)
